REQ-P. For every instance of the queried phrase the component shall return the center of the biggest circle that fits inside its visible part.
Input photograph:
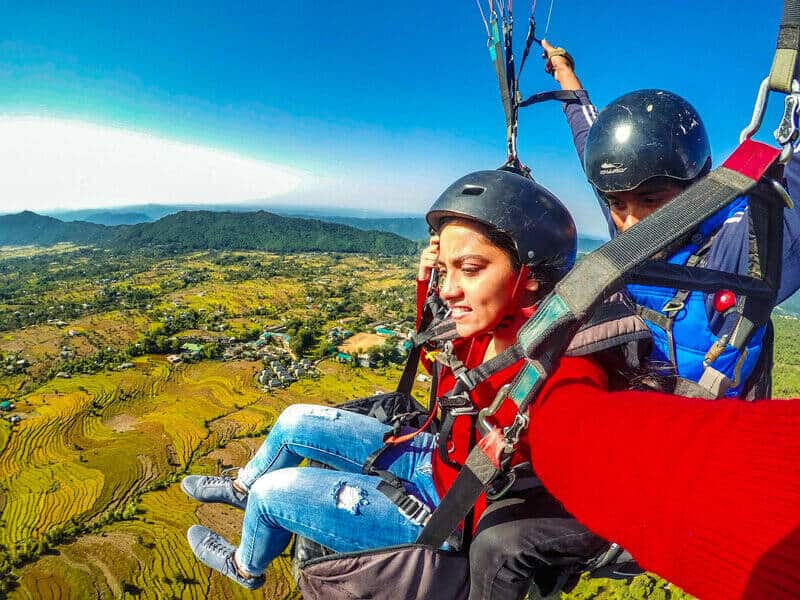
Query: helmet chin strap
(523, 275)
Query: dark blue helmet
(642, 135)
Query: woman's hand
(427, 261)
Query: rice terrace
(110, 411)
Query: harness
(627, 259)
(705, 363)
(615, 335)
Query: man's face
(628, 208)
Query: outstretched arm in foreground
(706, 494)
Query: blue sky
(376, 105)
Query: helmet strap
(516, 292)
(523, 275)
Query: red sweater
(704, 493)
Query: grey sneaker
(206, 488)
(214, 551)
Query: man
(640, 152)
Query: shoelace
(215, 480)
(215, 545)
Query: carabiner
(758, 112)
(483, 425)
(788, 130)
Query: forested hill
(28, 228)
(189, 230)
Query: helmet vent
(472, 190)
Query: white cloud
(48, 163)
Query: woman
(503, 242)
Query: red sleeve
(705, 493)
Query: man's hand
(427, 261)
(561, 66)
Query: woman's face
(476, 278)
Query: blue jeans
(342, 509)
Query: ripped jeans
(342, 509)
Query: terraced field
(94, 465)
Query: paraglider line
(483, 16)
(547, 25)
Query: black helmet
(645, 134)
(540, 226)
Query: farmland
(90, 505)
(110, 420)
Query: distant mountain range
(105, 217)
(412, 227)
(194, 230)
(28, 228)
(258, 230)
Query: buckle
(513, 431)
(504, 481)
(456, 402)
(787, 132)
(673, 306)
(414, 510)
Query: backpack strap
(665, 319)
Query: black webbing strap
(546, 335)
(658, 273)
(784, 63)
(452, 406)
(470, 379)
(511, 76)
(409, 371)
(562, 95)
(437, 332)
(426, 331)
(411, 507)
(529, 39)
(477, 473)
